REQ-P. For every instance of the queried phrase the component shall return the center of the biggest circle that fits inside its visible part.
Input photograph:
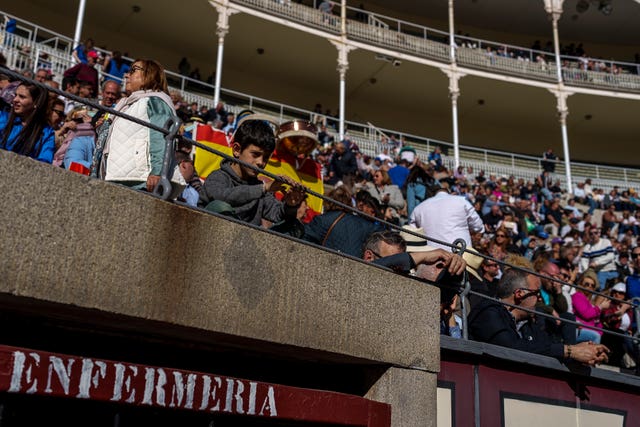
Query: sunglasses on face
(589, 284)
(634, 255)
(528, 293)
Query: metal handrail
(285, 111)
(170, 132)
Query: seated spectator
(588, 312)
(493, 219)
(238, 186)
(56, 115)
(25, 129)
(553, 301)
(81, 148)
(71, 86)
(86, 72)
(133, 154)
(633, 281)
(618, 318)
(338, 228)
(78, 124)
(507, 326)
(598, 255)
(190, 194)
(387, 194)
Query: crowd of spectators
(587, 238)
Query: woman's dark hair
(34, 122)
(418, 174)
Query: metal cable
(349, 208)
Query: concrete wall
(101, 248)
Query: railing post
(164, 187)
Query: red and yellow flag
(306, 171)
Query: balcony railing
(501, 58)
(45, 55)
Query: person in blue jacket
(24, 129)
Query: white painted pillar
(452, 42)
(222, 29)
(554, 9)
(563, 112)
(79, 22)
(454, 93)
(343, 66)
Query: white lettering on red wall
(85, 378)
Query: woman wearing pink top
(587, 312)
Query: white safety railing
(431, 43)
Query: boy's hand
(279, 185)
(294, 197)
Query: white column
(452, 42)
(343, 66)
(79, 21)
(563, 112)
(554, 10)
(222, 29)
(454, 93)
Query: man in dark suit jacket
(495, 323)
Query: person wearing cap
(512, 326)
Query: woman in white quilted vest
(132, 154)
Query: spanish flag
(306, 171)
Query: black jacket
(490, 322)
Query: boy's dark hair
(256, 132)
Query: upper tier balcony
(432, 44)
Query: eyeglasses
(491, 265)
(59, 112)
(588, 284)
(501, 235)
(134, 69)
(634, 255)
(528, 293)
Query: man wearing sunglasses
(512, 326)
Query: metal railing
(163, 191)
(367, 136)
(426, 42)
